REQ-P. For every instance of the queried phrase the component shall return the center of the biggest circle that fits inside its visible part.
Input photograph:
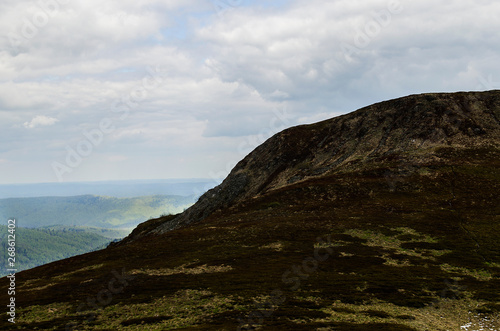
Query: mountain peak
(411, 127)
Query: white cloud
(223, 75)
(117, 158)
(40, 121)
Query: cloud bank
(189, 87)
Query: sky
(148, 89)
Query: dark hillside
(409, 128)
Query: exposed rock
(414, 125)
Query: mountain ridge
(413, 124)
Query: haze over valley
(60, 224)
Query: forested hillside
(35, 247)
(54, 228)
(89, 210)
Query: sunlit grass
(183, 269)
(394, 242)
(185, 308)
(479, 274)
(44, 313)
(443, 315)
(277, 246)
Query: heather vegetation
(415, 256)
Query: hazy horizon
(113, 188)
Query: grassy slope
(411, 249)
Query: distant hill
(35, 247)
(90, 210)
(114, 188)
(54, 228)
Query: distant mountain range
(117, 189)
(386, 218)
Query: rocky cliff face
(411, 127)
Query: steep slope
(414, 125)
(333, 226)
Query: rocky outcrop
(414, 125)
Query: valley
(53, 228)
